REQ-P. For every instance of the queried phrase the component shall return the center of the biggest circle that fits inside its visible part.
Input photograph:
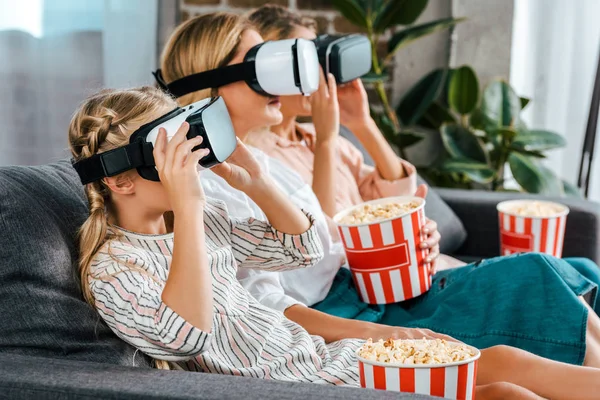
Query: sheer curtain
(554, 60)
(53, 54)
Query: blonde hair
(275, 22)
(104, 122)
(200, 44)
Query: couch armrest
(477, 211)
(24, 377)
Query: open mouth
(274, 100)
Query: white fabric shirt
(280, 290)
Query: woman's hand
(325, 109)
(241, 170)
(354, 105)
(177, 168)
(432, 235)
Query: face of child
(297, 105)
(248, 109)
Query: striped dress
(128, 275)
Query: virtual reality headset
(207, 118)
(277, 68)
(347, 57)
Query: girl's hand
(386, 332)
(241, 170)
(354, 104)
(432, 235)
(325, 109)
(177, 168)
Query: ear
(121, 184)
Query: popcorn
(415, 351)
(535, 209)
(377, 212)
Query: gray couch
(53, 345)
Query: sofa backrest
(41, 305)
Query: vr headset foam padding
(207, 118)
(347, 57)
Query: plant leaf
(435, 116)
(408, 138)
(571, 190)
(500, 104)
(478, 120)
(524, 102)
(352, 10)
(371, 77)
(408, 35)
(463, 91)
(533, 176)
(462, 143)
(418, 99)
(476, 171)
(531, 153)
(398, 12)
(505, 132)
(539, 140)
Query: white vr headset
(277, 68)
(207, 118)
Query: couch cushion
(449, 225)
(42, 308)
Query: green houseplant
(376, 18)
(482, 133)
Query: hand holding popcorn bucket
(382, 241)
(430, 367)
(532, 226)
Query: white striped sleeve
(129, 301)
(256, 244)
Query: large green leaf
(462, 143)
(352, 10)
(408, 35)
(435, 116)
(533, 176)
(418, 99)
(398, 12)
(539, 140)
(500, 104)
(476, 171)
(571, 190)
(463, 92)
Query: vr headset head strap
(208, 79)
(137, 154)
(114, 162)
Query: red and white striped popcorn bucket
(385, 259)
(519, 234)
(452, 381)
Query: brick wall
(328, 20)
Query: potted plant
(483, 134)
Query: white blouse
(280, 290)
